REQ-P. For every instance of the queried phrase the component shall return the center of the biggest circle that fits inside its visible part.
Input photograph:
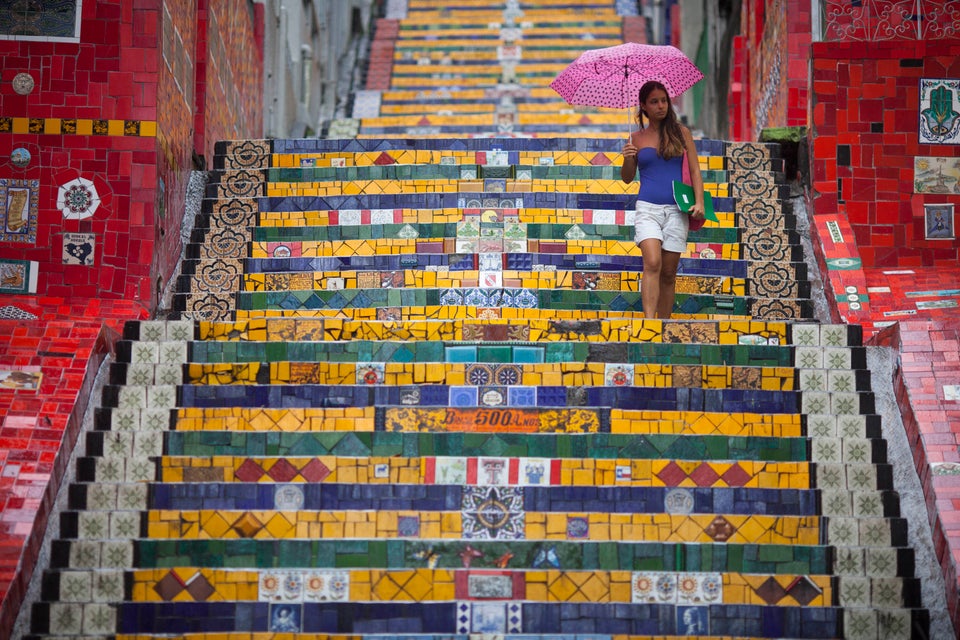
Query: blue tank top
(657, 176)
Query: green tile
(385, 444)
(404, 353)
(292, 553)
(350, 445)
(528, 355)
(429, 351)
(600, 556)
(276, 351)
(561, 352)
(734, 558)
(499, 354)
(390, 553)
(461, 354)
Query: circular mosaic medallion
(288, 498)
(20, 157)
(23, 83)
(77, 199)
(678, 501)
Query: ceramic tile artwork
(78, 199)
(939, 108)
(410, 391)
(18, 276)
(79, 248)
(19, 209)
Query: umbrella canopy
(612, 76)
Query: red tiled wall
(232, 100)
(866, 106)
(104, 77)
(737, 104)
(117, 108)
(769, 70)
(176, 99)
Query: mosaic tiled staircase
(421, 379)
(482, 68)
(461, 223)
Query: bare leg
(670, 261)
(650, 285)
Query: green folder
(683, 194)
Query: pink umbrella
(612, 76)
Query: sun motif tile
(493, 513)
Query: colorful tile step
(476, 198)
(448, 171)
(470, 231)
(694, 335)
(347, 217)
(405, 246)
(468, 617)
(527, 445)
(514, 396)
(616, 301)
(528, 375)
(486, 554)
(447, 498)
(247, 154)
(240, 180)
(413, 186)
(514, 281)
(365, 419)
(588, 358)
(441, 584)
(473, 471)
(384, 266)
(493, 159)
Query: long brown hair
(671, 134)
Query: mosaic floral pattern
(46, 19)
(494, 513)
(78, 199)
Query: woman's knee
(669, 265)
(668, 278)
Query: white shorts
(665, 222)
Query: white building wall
(312, 49)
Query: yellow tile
(214, 525)
(148, 128)
(754, 529)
